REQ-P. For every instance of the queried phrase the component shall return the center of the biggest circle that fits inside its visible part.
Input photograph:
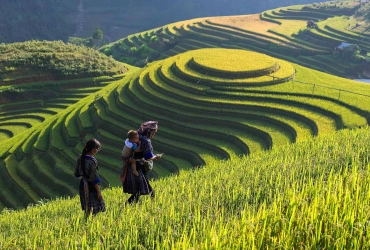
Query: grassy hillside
(279, 32)
(27, 110)
(362, 18)
(29, 90)
(44, 60)
(207, 110)
(310, 195)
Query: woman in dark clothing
(139, 185)
(87, 168)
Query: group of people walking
(137, 153)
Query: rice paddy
(207, 109)
(237, 106)
(280, 33)
(309, 195)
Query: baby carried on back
(132, 144)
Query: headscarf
(147, 128)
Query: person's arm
(155, 157)
(148, 152)
(98, 191)
(94, 177)
(138, 146)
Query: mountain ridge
(57, 20)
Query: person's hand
(100, 196)
(136, 172)
(158, 156)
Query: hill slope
(210, 104)
(310, 195)
(23, 20)
(43, 60)
(279, 32)
(362, 17)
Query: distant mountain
(23, 20)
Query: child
(87, 168)
(132, 144)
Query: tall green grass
(309, 195)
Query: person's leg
(133, 166)
(133, 198)
(151, 190)
(152, 194)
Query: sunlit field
(311, 195)
(208, 110)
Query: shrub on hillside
(57, 58)
(363, 12)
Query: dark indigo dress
(133, 184)
(88, 194)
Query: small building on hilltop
(311, 24)
(344, 46)
(348, 51)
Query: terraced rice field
(26, 129)
(278, 33)
(211, 104)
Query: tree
(98, 33)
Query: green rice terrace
(281, 33)
(259, 107)
(207, 110)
